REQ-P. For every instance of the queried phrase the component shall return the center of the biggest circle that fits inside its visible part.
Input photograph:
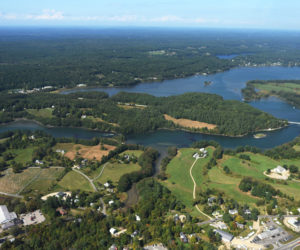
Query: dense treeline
(231, 117)
(285, 151)
(146, 161)
(97, 111)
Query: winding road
(91, 181)
(194, 190)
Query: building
(5, 215)
(279, 170)
(293, 222)
(61, 211)
(106, 185)
(226, 237)
(183, 238)
(137, 218)
(268, 233)
(232, 211)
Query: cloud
(47, 15)
(167, 19)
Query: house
(279, 170)
(38, 162)
(196, 155)
(220, 225)
(60, 151)
(182, 218)
(211, 200)
(111, 202)
(61, 211)
(226, 237)
(232, 211)
(137, 218)
(134, 234)
(106, 185)
(183, 238)
(247, 211)
(5, 215)
(176, 218)
(60, 195)
(112, 231)
(293, 222)
(217, 214)
(239, 225)
(113, 247)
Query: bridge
(297, 123)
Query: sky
(261, 14)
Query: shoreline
(169, 129)
(77, 89)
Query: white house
(111, 202)
(112, 231)
(137, 218)
(293, 222)
(279, 170)
(106, 184)
(232, 211)
(5, 215)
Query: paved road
(85, 176)
(293, 244)
(11, 195)
(194, 191)
(94, 187)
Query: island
(132, 113)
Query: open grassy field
(22, 155)
(277, 87)
(89, 152)
(229, 185)
(46, 178)
(45, 113)
(297, 147)
(73, 181)
(180, 182)
(186, 123)
(256, 167)
(12, 183)
(113, 171)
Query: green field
(256, 167)
(180, 182)
(277, 87)
(45, 113)
(74, 181)
(113, 171)
(22, 155)
(46, 178)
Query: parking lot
(35, 217)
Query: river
(227, 84)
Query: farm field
(45, 179)
(180, 182)
(73, 181)
(89, 152)
(12, 183)
(113, 171)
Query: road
(292, 245)
(194, 191)
(91, 181)
(100, 172)
(12, 195)
(85, 176)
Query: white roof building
(279, 170)
(6, 216)
(233, 211)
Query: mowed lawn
(229, 185)
(180, 182)
(256, 167)
(286, 87)
(73, 181)
(114, 171)
(45, 179)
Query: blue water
(227, 84)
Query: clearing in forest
(189, 123)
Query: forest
(120, 114)
(32, 58)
